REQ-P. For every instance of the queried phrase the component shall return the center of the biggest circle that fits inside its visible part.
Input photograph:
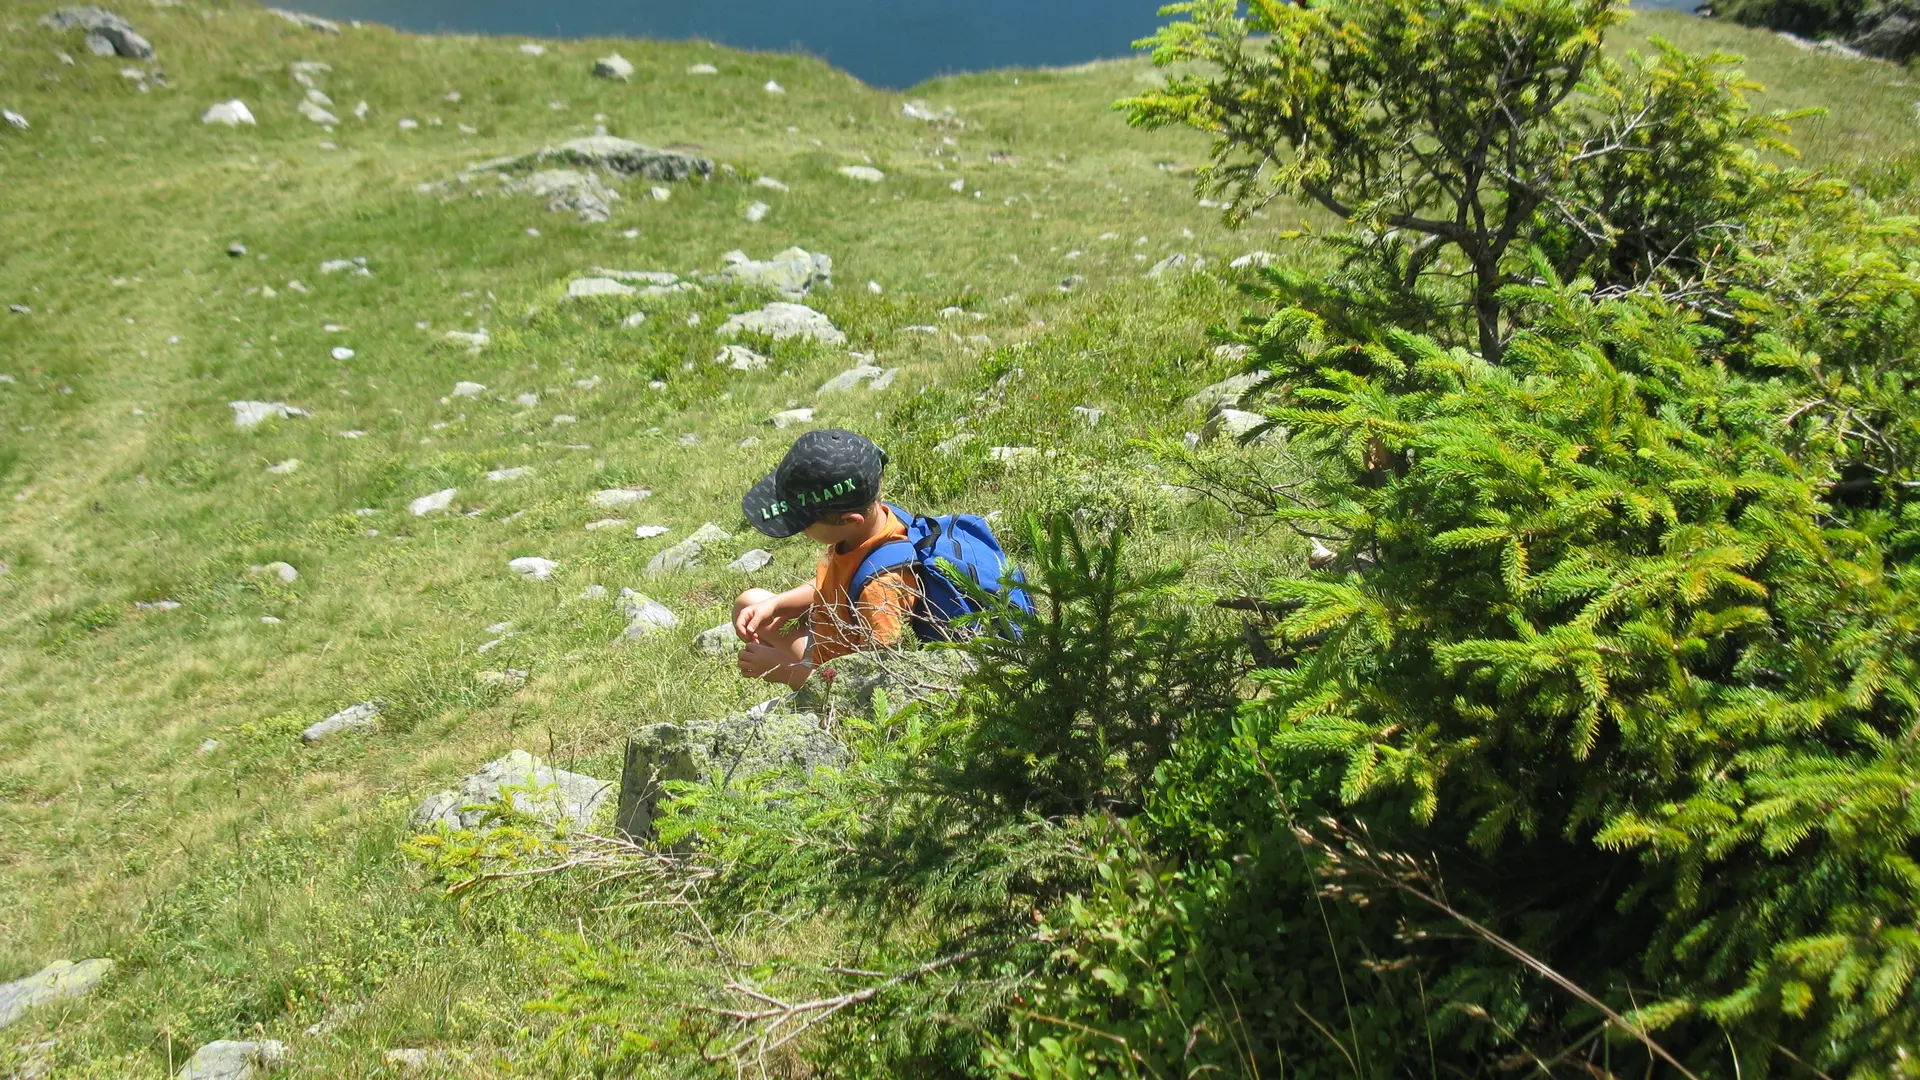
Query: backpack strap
(892, 555)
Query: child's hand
(757, 619)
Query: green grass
(259, 886)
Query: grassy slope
(257, 884)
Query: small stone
(15, 119)
(1237, 425)
(954, 444)
(774, 87)
(506, 677)
(356, 266)
(342, 353)
(770, 184)
(237, 250)
(606, 523)
(563, 419)
(789, 417)
(645, 616)
(533, 567)
(686, 554)
(633, 320)
(1227, 393)
(230, 1060)
(1254, 258)
(792, 273)
(1321, 556)
(703, 69)
(1010, 453)
(613, 498)
(648, 532)
(364, 715)
(231, 113)
(1089, 415)
(269, 620)
(156, 605)
(208, 746)
(408, 123)
(468, 389)
(284, 467)
(284, 571)
(866, 174)
(753, 561)
(58, 980)
(533, 49)
(717, 641)
(741, 358)
(659, 194)
(613, 66)
(474, 342)
(317, 114)
(594, 592)
(517, 472)
(429, 504)
(757, 212)
(526, 401)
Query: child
(828, 488)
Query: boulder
(645, 616)
(622, 157)
(227, 1059)
(231, 113)
(58, 980)
(741, 358)
(792, 273)
(305, 21)
(533, 567)
(429, 504)
(364, 715)
(752, 562)
(535, 788)
(589, 288)
(1236, 425)
(612, 498)
(851, 379)
(569, 191)
(1227, 393)
(1888, 29)
(781, 321)
(613, 66)
(717, 641)
(851, 685)
(247, 414)
(103, 26)
(686, 554)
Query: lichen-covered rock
(793, 273)
(227, 1059)
(569, 191)
(591, 287)
(622, 157)
(364, 715)
(850, 685)
(1227, 393)
(718, 641)
(686, 554)
(771, 735)
(58, 980)
(645, 616)
(851, 379)
(100, 23)
(751, 561)
(781, 321)
(536, 788)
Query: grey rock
(773, 735)
(851, 379)
(621, 157)
(1089, 415)
(428, 504)
(781, 321)
(231, 113)
(751, 562)
(613, 66)
(549, 794)
(570, 191)
(283, 572)
(1237, 425)
(1888, 29)
(306, 21)
(104, 26)
(517, 472)
(686, 554)
(741, 358)
(317, 114)
(364, 715)
(247, 414)
(757, 212)
(613, 498)
(1175, 262)
(866, 174)
(645, 616)
(227, 1059)
(787, 418)
(58, 980)
(1227, 393)
(20, 122)
(717, 641)
(792, 273)
(588, 288)
(356, 266)
(852, 684)
(474, 341)
(533, 567)
(1253, 259)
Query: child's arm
(770, 614)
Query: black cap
(825, 472)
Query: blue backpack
(964, 540)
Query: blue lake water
(889, 43)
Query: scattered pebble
(517, 472)
(607, 523)
(428, 504)
(757, 212)
(774, 87)
(533, 49)
(364, 715)
(648, 532)
(341, 352)
(752, 561)
(617, 497)
(231, 113)
(866, 174)
(613, 66)
(703, 69)
(284, 467)
(533, 567)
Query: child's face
(844, 527)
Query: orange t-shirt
(840, 626)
